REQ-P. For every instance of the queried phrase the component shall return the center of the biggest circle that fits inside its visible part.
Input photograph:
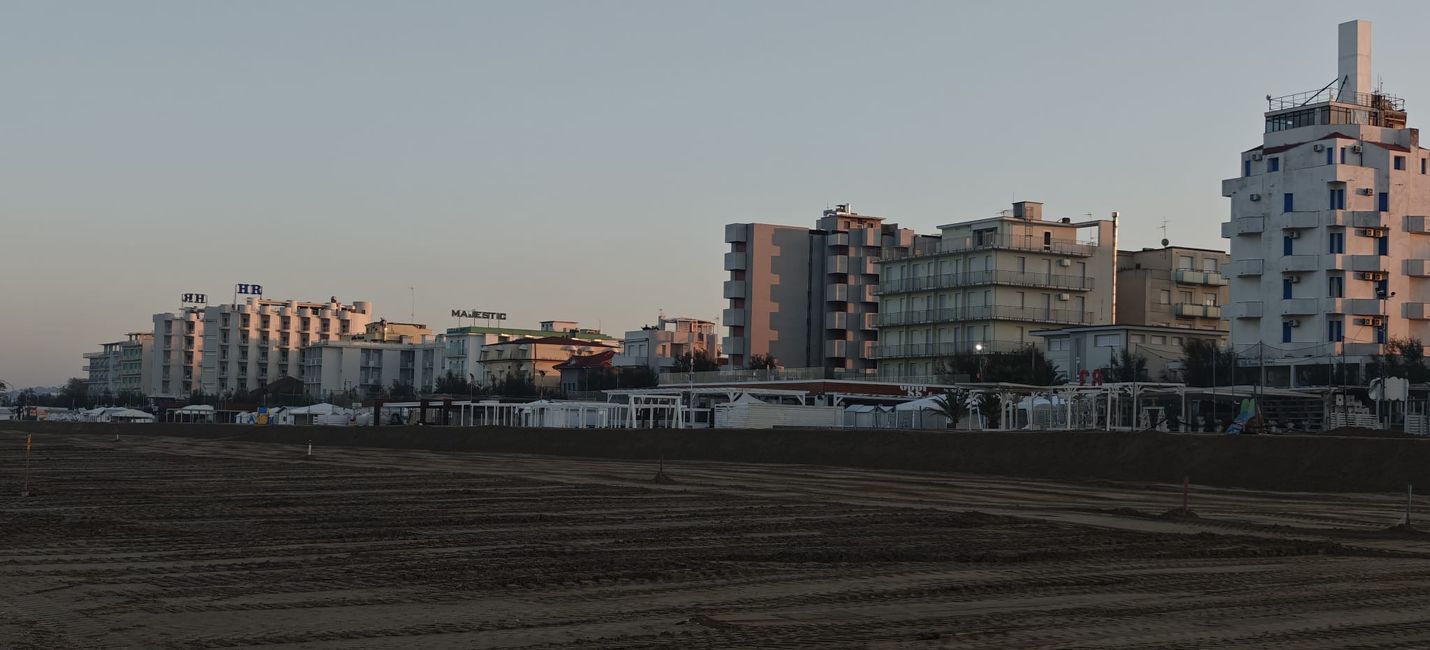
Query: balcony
(1417, 225)
(733, 345)
(1418, 268)
(865, 293)
(1362, 306)
(1297, 220)
(1249, 268)
(836, 264)
(733, 317)
(977, 278)
(737, 232)
(836, 320)
(1191, 310)
(1244, 310)
(923, 350)
(1243, 226)
(1355, 263)
(869, 321)
(735, 261)
(863, 265)
(954, 246)
(836, 293)
(1300, 263)
(1351, 218)
(836, 349)
(735, 289)
(1300, 307)
(986, 312)
(1416, 310)
(1201, 278)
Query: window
(1343, 155)
(1159, 340)
(1338, 198)
(1330, 155)
(1209, 264)
(1176, 340)
(1335, 330)
(1135, 338)
(1382, 245)
(1286, 285)
(1385, 201)
(1400, 162)
(1107, 341)
(1273, 164)
(1047, 240)
(1022, 264)
(1286, 202)
(1287, 245)
(1336, 286)
(1209, 299)
(1246, 168)
(1185, 297)
(1164, 297)
(1337, 241)
(1380, 334)
(1422, 165)
(1184, 262)
(1285, 331)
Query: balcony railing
(1190, 310)
(952, 246)
(976, 278)
(947, 349)
(773, 374)
(987, 312)
(1205, 278)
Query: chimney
(1028, 210)
(1354, 60)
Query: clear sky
(578, 160)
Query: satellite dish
(1165, 242)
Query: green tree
(637, 377)
(451, 384)
(75, 394)
(1203, 364)
(690, 362)
(950, 405)
(400, 392)
(1401, 358)
(1026, 365)
(762, 362)
(1127, 366)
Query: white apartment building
(254, 343)
(332, 368)
(462, 346)
(121, 366)
(659, 346)
(989, 284)
(1330, 226)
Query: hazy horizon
(579, 160)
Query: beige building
(1173, 286)
(806, 296)
(535, 359)
(659, 346)
(177, 352)
(989, 284)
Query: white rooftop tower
(1354, 50)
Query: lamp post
(978, 350)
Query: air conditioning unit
(1293, 234)
(1294, 323)
(1365, 191)
(1256, 197)
(1064, 296)
(1368, 232)
(1318, 147)
(1064, 262)
(1355, 148)
(1372, 275)
(1256, 156)
(1369, 322)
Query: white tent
(127, 415)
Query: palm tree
(949, 405)
(1128, 366)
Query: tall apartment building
(806, 296)
(240, 347)
(1172, 286)
(1330, 226)
(121, 366)
(989, 283)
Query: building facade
(1330, 227)
(806, 296)
(249, 345)
(988, 284)
(1079, 351)
(535, 359)
(364, 368)
(462, 346)
(121, 366)
(177, 352)
(659, 346)
(1172, 286)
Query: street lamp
(978, 349)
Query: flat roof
(520, 331)
(1160, 329)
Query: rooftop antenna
(413, 292)
(1165, 241)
